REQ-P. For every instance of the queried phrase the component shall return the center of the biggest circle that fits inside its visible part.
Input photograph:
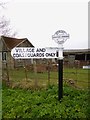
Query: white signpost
(35, 53)
(59, 37)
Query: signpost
(60, 37)
(31, 52)
(36, 53)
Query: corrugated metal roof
(77, 50)
(72, 50)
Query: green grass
(44, 104)
(80, 76)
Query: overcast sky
(38, 21)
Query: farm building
(79, 57)
(8, 43)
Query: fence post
(48, 72)
(25, 70)
(7, 73)
(35, 72)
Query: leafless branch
(5, 28)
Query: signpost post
(60, 37)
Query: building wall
(76, 59)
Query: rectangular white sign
(32, 52)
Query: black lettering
(40, 50)
(30, 50)
(28, 55)
(18, 55)
(18, 50)
(50, 54)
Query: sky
(39, 20)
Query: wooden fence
(44, 74)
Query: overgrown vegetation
(20, 103)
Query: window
(4, 55)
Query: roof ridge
(13, 37)
(13, 42)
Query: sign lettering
(31, 52)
